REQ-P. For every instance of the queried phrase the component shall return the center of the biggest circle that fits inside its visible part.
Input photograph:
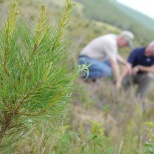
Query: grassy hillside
(143, 19)
(106, 11)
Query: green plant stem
(5, 124)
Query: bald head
(151, 45)
(149, 51)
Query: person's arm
(126, 70)
(137, 68)
(121, 60)
(124, 62)
(115, 69)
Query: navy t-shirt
(137, 57)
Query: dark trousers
(142, 80)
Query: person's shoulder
(139, 49)
(109, 38)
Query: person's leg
(97, 69)
(144, 84)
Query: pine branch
(33, 90)
(63, 23)
(9, 29)
(44, 110)
(41, 31)
(35, 76)
(6, 122)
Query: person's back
(141, 61)
(101, 48)
(138, 57)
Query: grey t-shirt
(102, 48)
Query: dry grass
(101, 102)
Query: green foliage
(131, 139)
(106, 109)
(93, 142)
(98, 142)
(106, 11)
(143, 19)
(85, 98)
(149, 145)
(35, 76)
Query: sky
(144, 6)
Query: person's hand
(118, 85)
(135, 69)
(129, 68)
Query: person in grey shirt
(101, 56)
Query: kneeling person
(101, 55)
(141, 60)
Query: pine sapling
(36, 76)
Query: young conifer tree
(36, 75)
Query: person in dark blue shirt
(139, 57)
(141, 71)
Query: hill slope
(143, 19)
(107, 11)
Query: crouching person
(101, 56)
(141, 61)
